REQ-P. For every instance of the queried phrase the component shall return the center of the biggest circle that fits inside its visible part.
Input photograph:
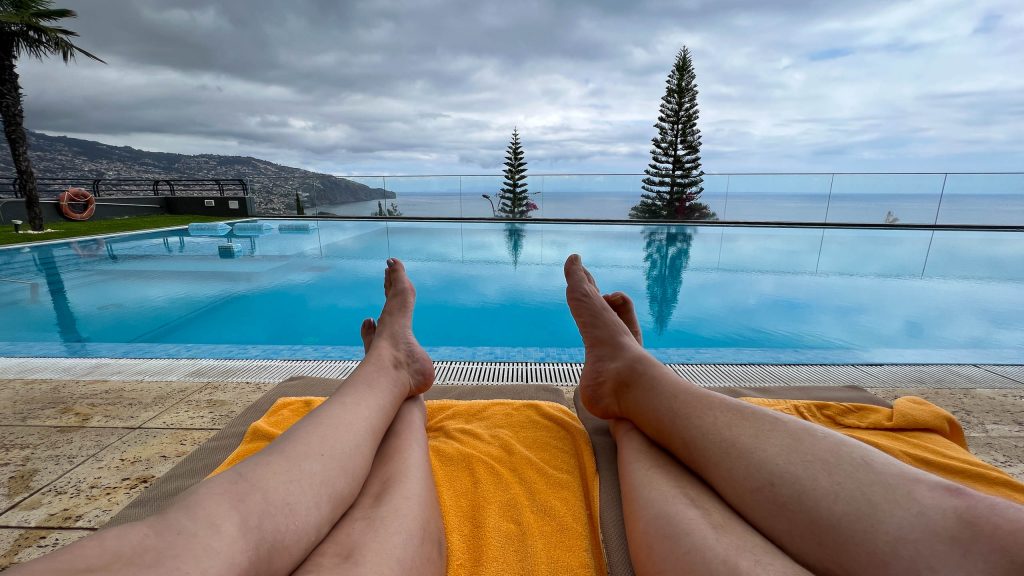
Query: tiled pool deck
(81, 439)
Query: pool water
(495, 292)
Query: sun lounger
(207, 457)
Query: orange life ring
(77, 196)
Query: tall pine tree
(514, 198)
(674, 179)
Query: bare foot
(390, 338)
(611, 337)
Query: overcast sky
(436, 86)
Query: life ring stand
(77, 196)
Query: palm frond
(25, 22)
(53, 14)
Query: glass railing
(989, 199)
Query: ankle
(387, 360)
(634, 374)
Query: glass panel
(608, 245)
(986, 255)
(705, 246)
(293, 242)
(872, 252)
(777, 198)
(716, 193)
(512, 243)
(885, 198)
(479, 195)
(984, 199)
(274, 196)
(596, 197)
(751, 249)
(352, 196)
(431, 196)
(352, 240)
(425, 241)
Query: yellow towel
(914, 431)
(280, 417)
(516, 480)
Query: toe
(623, 307)
(575, 274)
(396, 265)
(367, 331)
(594, 317)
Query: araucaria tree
(674, 179)
(26, 30)
(514, 197)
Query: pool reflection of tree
(67, 324)
(666, 256)
(515, 239)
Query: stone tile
(89, 495)
(87, 403)
(34, 456)
(18, 546)
(980, 412)
(211, 407)
(570, 393)
(1004, 452)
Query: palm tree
(25, 30)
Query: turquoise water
(494, 291)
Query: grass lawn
(70, 229)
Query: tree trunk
(14, 129)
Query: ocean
(1000, 209)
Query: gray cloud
(430, 87)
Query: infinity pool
(494, 291)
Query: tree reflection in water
(67, 325)
(666, 256)
(515, 239)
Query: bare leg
(676, 524)
(394, 526)
(674, 521)
(831, 503)
(265, 515)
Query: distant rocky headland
(273, 185)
